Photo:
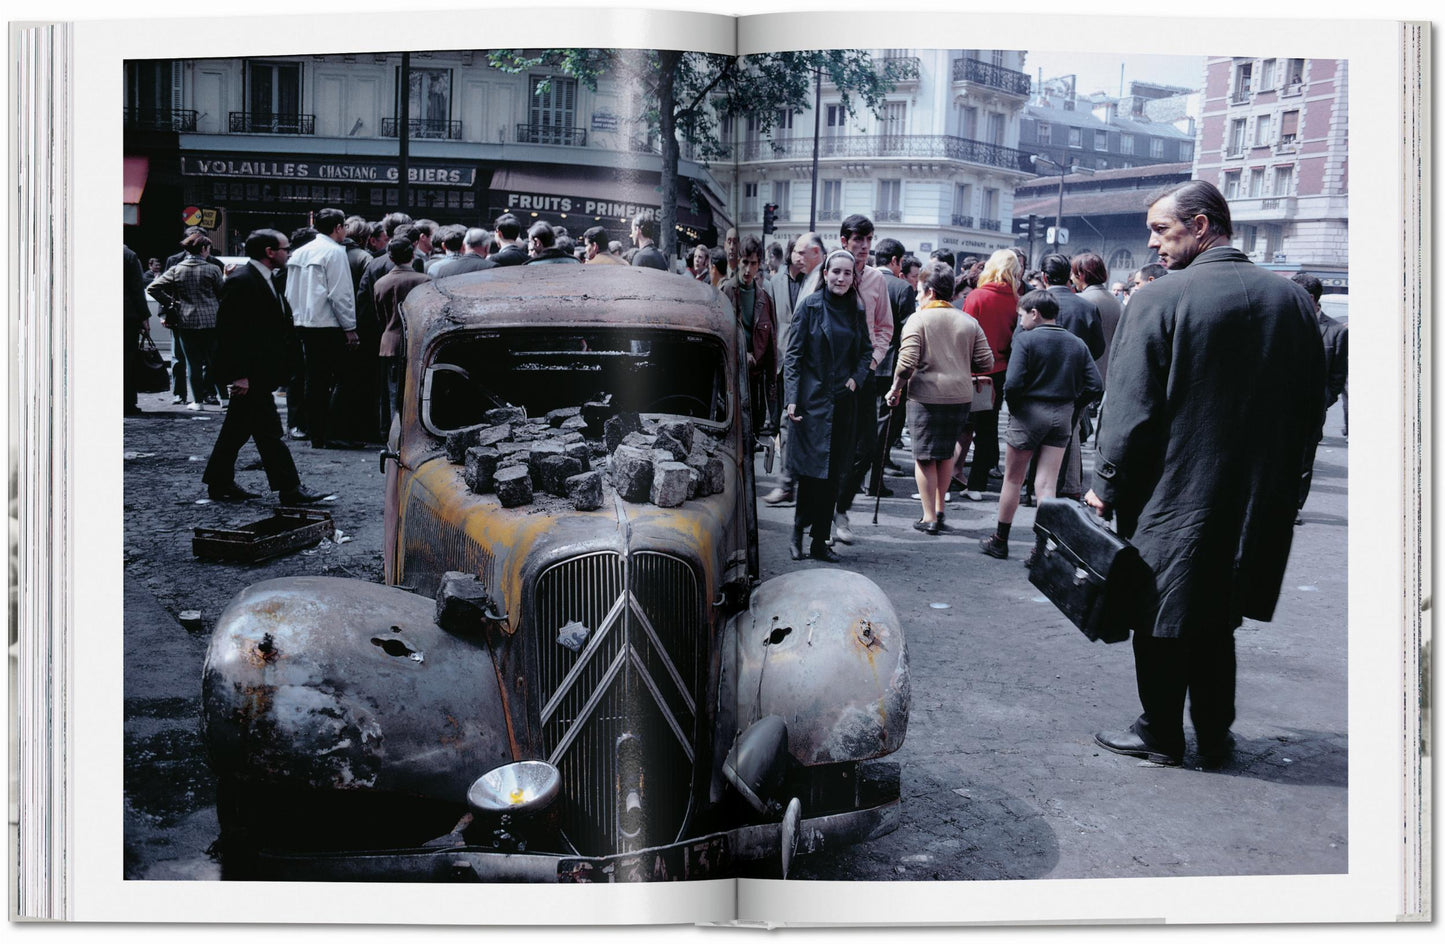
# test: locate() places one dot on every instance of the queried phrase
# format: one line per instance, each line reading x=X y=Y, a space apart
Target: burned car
x=572 y=672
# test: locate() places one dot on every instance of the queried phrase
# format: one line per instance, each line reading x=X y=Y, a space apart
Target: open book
x=554 y=638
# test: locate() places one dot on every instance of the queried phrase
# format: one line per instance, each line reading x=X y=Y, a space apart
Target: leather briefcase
x=1091 y=574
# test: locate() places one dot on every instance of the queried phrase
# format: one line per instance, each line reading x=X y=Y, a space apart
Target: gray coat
x=1081 y=317
x=1214 y=391
x=811 y=381
x=1110 y=311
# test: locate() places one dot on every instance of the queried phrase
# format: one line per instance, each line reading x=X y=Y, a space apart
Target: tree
x=688 y=94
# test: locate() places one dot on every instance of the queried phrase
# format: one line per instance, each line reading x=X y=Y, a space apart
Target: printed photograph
x=603 y=465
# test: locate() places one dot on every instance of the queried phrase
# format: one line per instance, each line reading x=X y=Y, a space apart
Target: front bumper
x=710 y=856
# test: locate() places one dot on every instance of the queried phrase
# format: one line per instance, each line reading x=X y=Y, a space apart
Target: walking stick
x=887 y=445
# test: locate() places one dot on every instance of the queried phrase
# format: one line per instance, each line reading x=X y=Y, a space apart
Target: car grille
x=619 y=715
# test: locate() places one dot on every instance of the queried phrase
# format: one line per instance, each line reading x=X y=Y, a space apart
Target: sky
x=1099 y=72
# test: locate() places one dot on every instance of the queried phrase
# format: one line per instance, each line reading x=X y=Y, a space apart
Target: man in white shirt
x=323 y=304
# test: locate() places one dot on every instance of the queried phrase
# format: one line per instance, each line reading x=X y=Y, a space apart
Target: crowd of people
x=848 y=344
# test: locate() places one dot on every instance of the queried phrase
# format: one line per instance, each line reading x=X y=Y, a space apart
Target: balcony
x=160 y=119
x=826 y=215
x=551 y=134
x=438 y=129
x=1263 y=209
x=992 y=76
x=749 y=215
x=890 y=145
x=651 y=144
x=891 y=215
x=994 y=225
x=250 y=122
x=1292 y=90
x=1288 y=144
x=960 y=220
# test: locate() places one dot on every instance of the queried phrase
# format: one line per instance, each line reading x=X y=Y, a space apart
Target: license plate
x=708 y=857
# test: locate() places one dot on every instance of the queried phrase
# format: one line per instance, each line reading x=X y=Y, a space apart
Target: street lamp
x=1076 y=168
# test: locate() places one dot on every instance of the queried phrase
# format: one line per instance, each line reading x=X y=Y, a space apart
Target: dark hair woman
x=827 y=359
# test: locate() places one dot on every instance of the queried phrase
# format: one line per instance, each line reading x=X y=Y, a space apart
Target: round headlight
x=523 y=787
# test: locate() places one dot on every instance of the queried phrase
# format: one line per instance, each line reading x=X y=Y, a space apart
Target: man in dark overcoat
x=253 y=327
x=1214 y=391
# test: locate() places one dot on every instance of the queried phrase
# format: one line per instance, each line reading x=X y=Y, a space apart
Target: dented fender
x=824 y=650
x=327 y=683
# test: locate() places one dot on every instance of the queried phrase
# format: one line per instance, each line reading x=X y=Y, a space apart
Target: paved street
x=1001 y=779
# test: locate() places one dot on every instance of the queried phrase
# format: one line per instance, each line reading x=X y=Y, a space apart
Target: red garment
x=996 y=308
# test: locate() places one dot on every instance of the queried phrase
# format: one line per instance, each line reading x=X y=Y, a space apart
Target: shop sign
x=618 y=209
x=325 y=170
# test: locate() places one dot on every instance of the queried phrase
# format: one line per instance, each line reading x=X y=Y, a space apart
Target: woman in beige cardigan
x=940 y=351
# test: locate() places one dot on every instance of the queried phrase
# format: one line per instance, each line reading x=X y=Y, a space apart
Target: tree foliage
x=687 y=96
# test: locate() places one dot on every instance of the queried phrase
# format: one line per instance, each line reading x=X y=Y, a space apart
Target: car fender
x=824 y=650
x=326 y=683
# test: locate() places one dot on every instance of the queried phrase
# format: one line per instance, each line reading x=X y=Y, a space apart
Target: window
x=1236 y=136
x=1126 y=143
x=1042 y=132
x=1289 y=127
x=1231 y=185
x=995 y=127
x=1266 y=75
x=832 y=200
x=1273 y=242
x=1262 y=126
x=1101 y=140
x=1076 y=137
x=889 y=200
x=995 y=56
x=1256 y=182
x=750 y=131
x=1248 y=238
x=1186 y=150
x=970 y=122
x=1294 y=73
x=1243 y=81
x=750 y=202
x=895 y=119
x=834 y=121
x=783 y=197
x=429 y=102
x=1121 y=259
x=783 y=125
x=726 y=129
x=554 y=109
x=990 y=218
x=1156 y=147
x=273 y=95
x=962 y=204
x=1283 y=180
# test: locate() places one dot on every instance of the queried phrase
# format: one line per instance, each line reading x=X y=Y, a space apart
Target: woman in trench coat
x=827 y=358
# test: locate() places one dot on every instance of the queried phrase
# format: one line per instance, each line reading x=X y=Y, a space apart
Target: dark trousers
x=985 y=441
x=252 y=416
x=816 y=497
x=391 y=369
x=324 y=349
x=1201 y=665
x=198 y=346
x=296 y=386
x=862 y=445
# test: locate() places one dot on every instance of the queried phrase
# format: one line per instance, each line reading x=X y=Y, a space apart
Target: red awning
x=135 y=170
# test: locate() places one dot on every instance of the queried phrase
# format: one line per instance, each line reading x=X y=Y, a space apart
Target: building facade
x=1274 y=138
x=1102 y=133
x=936 y=170
x=238 y=144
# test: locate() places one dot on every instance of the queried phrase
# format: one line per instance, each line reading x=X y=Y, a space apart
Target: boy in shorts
x=1051 y=376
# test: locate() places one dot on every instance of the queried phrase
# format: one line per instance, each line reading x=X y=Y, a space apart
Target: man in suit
x=753 y=308
x=787 y=289
x=253 y=327
x=511 y=247
x=474 y=254
x=903 y=299
x=390 y=291
x=644 y=233
x=1215 y=386
x=1080 y=317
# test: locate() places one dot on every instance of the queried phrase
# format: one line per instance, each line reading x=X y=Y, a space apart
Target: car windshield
x=671 y=372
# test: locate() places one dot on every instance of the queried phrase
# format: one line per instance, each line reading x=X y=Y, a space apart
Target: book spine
x=41 y=56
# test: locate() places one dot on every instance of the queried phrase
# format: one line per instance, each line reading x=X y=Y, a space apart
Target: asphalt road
x=1001 y=779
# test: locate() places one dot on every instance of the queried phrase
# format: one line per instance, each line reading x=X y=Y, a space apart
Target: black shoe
x=1028 y=501
x=1216 y=752
x=994 y=546
x=995 y=473
x=1132 y=745
x=795 y=543
x=882 y=491
x=822 y=552
x=229 y=493
x=891 y=466
x=300 y=496
x=925 y=526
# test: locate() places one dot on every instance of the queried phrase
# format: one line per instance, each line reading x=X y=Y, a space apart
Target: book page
x=150 y=859
x=1010 y=811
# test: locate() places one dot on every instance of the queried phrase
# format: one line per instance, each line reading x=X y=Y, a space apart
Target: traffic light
x=1034 y=231
x=770 y=218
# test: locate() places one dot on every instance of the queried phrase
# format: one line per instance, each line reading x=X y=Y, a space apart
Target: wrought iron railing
x=995 y=225
x=905 y=68
x=830 y=214
x=433 y=128
x=250 y=122
x=889 y=215
x=891 y=145
x=160 y=119
x=961 y=220
x=551 y=134
x=986 y=73
x=749 y=215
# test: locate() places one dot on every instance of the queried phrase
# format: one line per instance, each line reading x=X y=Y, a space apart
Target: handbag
x=151 y=372
x=1092 y=575
x=982 y=394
